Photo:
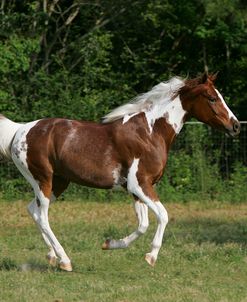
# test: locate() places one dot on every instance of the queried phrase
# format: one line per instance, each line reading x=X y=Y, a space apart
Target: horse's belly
x=93 y=174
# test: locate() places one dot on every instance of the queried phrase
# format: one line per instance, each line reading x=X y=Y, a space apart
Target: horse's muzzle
x=234 y=130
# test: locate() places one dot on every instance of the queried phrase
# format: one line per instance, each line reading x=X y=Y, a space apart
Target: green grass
x=203 y=257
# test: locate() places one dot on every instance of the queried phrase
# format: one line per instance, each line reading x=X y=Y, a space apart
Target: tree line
x=80 y=59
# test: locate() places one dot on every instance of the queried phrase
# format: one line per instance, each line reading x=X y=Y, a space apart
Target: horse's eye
x=212 y=99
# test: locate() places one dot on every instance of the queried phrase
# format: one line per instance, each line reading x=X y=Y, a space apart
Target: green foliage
x=14 y=188
x=15 y=54
x=236 y=185
x=81 y=59
x=193 y=170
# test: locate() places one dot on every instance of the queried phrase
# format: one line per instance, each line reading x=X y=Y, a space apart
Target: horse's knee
x=163 y=214
x=32 y=210
x=164 y=217
x=143 y=228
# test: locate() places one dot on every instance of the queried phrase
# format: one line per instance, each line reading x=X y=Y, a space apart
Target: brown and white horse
x=129 y=149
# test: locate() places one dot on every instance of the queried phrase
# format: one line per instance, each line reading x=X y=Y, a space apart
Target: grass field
x=204 y=256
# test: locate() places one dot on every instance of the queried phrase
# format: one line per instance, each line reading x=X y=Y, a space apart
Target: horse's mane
x=162 y=93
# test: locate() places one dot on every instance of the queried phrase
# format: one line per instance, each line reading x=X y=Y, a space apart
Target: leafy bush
x=236 y=188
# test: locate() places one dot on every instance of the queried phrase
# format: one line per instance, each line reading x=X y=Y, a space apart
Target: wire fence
x=220 y=148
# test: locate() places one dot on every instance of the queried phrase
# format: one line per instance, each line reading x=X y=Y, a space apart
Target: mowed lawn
x=203 y=258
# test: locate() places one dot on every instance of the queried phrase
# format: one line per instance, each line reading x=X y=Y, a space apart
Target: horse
x=128 y=148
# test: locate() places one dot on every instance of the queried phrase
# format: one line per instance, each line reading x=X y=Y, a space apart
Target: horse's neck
x=172 y=111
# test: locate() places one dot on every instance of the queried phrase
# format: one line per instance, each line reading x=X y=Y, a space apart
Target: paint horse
x=129 y=148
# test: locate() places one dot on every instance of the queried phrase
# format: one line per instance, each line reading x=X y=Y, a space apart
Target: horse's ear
x=204 y=77
x=213 y=77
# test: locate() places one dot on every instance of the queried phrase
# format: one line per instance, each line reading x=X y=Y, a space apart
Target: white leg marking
x=162 y=219
x=158 y=209
x=142 y=214
x=35 y=213
x=143 y=223
x=45 y=227
x=32 y=207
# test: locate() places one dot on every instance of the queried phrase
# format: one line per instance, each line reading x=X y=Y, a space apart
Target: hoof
x=150 y=259
x=66 y=266
x=52 y=260
x=106 y=245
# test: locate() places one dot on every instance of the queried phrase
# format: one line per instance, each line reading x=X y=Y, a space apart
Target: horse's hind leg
x=35 y=213
x=58 y=186
x=42 y=186
x=142 y=215
x=42 y=194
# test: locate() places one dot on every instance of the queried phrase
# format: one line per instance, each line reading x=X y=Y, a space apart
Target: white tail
x=7 y=132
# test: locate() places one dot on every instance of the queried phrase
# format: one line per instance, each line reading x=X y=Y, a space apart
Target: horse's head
x=204 y=102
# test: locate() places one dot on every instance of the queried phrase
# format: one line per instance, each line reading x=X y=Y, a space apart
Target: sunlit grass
x=203 y=256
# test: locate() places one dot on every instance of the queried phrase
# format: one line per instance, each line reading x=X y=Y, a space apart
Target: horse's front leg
x=138 y=186
x=142 y=215
x=162 y=218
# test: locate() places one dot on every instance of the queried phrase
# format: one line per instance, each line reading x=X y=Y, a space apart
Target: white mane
x=160 y=94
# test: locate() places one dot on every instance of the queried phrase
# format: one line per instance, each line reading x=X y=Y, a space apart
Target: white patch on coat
x=230 y=113
x=172 y=111
x=134 y=187
x=127 y=117
x=116 y=174
x=176 y=114
x=132 y=178
x=118 y=179
x=160 y=94
x=19 y=154
x=7 y=132
x=19 y=145
x=68 y=140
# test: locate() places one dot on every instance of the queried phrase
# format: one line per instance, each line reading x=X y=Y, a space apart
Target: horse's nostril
x=236 y=127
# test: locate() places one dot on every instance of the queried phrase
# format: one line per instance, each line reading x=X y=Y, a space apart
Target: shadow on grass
x=8 y=264
x=209 y=230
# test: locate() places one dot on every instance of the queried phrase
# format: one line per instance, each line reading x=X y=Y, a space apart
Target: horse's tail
x=7 y=132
